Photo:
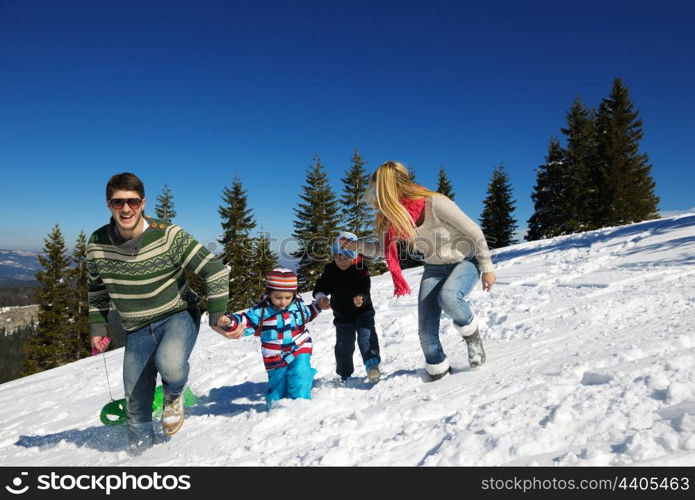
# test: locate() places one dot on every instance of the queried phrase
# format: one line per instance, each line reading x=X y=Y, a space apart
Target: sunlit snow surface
x=590 y=342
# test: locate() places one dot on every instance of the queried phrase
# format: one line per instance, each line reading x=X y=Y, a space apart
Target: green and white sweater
x=144 y=277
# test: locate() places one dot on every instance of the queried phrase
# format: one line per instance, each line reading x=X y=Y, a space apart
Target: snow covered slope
x=590 y=344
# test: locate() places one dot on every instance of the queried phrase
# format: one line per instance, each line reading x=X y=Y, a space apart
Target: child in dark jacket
x=347 y=281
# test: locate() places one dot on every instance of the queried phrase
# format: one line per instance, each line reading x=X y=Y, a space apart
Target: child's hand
x=231 y=334
x=223 y=323
x=236 y=333
x=324 y=303
x=358 y=300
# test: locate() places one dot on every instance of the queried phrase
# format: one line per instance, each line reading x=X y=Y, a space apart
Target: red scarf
x=414 y=208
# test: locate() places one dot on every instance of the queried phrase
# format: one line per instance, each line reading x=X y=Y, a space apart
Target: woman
x=455 y=252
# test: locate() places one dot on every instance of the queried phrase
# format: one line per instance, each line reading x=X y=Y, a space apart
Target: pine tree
x=49 y=348
x=578 y=197
x=444 y=186
x=79 y=305
x=315 y=226
x=237 y=253
x=12 y=351
x=357 y=216
x=624 y=180
x=264 y=261
x=496 y=220
x=165 y=205
x=547 y=219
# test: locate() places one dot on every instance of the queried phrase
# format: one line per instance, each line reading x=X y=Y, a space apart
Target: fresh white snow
x=590 y=342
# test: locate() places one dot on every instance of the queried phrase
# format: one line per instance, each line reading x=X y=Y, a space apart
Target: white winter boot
x=470 y=333
x=438 y=370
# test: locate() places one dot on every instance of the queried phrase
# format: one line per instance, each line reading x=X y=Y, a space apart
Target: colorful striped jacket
x=283 y=332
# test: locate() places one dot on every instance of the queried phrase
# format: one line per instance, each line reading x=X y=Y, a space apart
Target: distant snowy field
x=590 y=343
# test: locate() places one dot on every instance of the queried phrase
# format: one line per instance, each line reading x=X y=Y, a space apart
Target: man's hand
x=324 y=303
x=224 y=321
x=100 y=344
x=358 y=300
x=488 y=280
x=232 y=334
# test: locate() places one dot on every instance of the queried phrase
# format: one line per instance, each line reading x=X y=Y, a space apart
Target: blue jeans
x=367 y=341
x=161 y=347
x=444 y=287
x=292 y=381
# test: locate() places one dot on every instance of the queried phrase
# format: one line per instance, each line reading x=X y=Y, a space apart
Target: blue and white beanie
x=336 y=250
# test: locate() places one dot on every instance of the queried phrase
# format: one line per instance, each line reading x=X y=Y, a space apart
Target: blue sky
x=190 y=94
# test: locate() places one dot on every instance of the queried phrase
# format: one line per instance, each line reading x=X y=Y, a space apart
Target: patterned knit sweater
x=143 y=278
x=283 y=332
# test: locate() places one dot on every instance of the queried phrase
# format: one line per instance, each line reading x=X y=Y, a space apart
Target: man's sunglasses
x=118 y=203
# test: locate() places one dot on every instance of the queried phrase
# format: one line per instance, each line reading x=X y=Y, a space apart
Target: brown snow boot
x=172 y=418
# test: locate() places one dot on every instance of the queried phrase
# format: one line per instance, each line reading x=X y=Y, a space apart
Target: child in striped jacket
x=280 y=319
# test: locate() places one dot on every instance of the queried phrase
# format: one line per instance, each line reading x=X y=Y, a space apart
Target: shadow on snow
x=219 y=401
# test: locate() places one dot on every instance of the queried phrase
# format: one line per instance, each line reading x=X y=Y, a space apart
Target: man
x=136 y=265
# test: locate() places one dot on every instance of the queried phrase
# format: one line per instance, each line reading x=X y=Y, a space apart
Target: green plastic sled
x=114 y=412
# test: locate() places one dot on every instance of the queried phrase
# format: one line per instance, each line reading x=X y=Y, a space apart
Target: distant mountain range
x=17 y=267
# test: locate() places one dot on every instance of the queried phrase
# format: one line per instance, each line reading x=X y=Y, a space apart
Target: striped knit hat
x=281 y=279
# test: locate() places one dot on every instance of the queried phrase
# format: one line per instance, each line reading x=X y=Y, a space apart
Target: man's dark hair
x=125 y=182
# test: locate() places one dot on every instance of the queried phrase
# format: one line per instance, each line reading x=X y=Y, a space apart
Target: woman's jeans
x=444 y=287
x=161 y=347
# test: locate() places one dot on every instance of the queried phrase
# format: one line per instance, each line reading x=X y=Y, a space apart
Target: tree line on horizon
x=600 y=178
x=62 y=331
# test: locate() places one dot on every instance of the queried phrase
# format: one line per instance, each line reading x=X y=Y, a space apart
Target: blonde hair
x=389 y=184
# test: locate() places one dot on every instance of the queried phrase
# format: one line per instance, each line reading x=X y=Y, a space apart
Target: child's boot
x=373 y=373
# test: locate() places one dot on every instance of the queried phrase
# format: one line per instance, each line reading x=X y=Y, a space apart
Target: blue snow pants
x=292 y=381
